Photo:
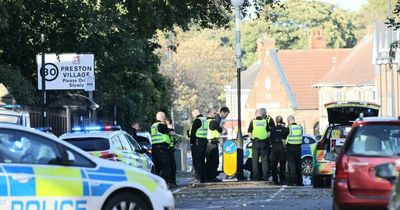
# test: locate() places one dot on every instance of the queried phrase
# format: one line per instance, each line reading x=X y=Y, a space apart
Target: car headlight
x=160 y=181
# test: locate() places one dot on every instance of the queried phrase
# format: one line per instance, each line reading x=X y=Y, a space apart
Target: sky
x=351 y=5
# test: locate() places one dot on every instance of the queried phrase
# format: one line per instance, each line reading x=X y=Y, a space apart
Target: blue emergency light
x=96 y=128
x=11 y=106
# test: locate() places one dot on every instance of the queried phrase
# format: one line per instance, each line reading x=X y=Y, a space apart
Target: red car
x=371 y=141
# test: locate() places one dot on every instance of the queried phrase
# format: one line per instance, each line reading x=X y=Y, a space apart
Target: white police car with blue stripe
x=41 y=172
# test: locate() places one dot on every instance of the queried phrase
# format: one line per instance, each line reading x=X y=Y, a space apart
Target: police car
x=38 y=171
x=12 y=114
x=110 y=142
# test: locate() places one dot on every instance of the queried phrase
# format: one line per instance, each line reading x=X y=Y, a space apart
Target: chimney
x=263 y=45
x=317 y=39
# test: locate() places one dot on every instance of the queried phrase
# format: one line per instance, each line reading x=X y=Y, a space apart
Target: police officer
x=212 y=153
x=198 y=137
x=258 y=131
x=293 y=145
x=271 y=124
x=171 y=149
x=278 y=136
x=160 y=142
x=223 y=113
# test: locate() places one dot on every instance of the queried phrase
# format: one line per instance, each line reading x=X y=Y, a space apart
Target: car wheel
x=125 y=201
x=306 y=166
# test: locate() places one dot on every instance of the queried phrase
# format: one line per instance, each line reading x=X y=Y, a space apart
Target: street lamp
x=236 y=5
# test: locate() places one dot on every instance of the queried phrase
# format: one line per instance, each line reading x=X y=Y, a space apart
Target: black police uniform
x=161 y=155
x=212 y=153
x=171 y=150
x=199 y=146
x=271 y=124
x=278 y=153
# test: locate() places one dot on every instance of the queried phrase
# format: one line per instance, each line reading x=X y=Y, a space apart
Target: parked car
x=370 y=142
x=40 y=170
x=308 y=143
x=144 y=140
x=390 y=172
x=341 y=115
x=110 y=142
x=13 y=114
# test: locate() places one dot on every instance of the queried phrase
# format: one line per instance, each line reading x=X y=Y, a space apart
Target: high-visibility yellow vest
x=259 y=129
x=295 y=134
x=157 y=137
x=212 y=134
x=202 y=131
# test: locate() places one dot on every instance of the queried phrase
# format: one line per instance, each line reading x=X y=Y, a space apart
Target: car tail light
x=342 y=168
x=110 y=156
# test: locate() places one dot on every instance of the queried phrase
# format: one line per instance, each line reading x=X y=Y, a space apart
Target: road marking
x=276 y=193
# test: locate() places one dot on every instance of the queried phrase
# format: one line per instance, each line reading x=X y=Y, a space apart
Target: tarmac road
x=251 y=195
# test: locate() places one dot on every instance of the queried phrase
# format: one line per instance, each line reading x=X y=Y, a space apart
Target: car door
x=146 y=161
x=34 y=166
x=132 y=157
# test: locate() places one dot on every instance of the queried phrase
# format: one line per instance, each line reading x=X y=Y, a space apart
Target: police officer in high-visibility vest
x=293 y=145
x=198 y=137
x=259 y=131
x=271 y=124
x=212 y=153
x=160 y=142
x=171 y=149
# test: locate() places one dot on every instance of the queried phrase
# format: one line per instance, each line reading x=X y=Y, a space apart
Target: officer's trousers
x=199 y=159
x=161 y=160
x=260 y=150
x=212 y=161
x=172 y=165
x=278 y=155
x=294 y=164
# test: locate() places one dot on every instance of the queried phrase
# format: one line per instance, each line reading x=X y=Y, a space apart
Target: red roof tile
x=304 y=68
x=359 y=63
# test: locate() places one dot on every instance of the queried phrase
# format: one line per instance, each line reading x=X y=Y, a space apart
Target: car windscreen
x=90 y=144
x=10 y=119
x=375 y=140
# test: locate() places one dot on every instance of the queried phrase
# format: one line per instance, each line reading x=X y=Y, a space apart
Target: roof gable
x=358 y=62
x=303 y=68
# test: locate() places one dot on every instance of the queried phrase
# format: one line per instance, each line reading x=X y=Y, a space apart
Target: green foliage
x=121 y=34
x=17 y=85
x=291 y=26
x=375 y=11
x=394 y=21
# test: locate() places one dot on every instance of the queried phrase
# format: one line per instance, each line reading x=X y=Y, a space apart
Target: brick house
x=386 y=75
x=282 y=82
x=351 y=80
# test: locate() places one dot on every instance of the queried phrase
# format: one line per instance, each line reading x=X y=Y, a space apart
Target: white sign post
x=67 y=71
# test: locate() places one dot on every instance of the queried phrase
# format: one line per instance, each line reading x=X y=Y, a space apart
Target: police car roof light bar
x=96 y=128
x=11 y=106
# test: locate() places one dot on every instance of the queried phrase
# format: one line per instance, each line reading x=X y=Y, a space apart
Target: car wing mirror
x=331 y=156
x=386 y=171
x=142 y=149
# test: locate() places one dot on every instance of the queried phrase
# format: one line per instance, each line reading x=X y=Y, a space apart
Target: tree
x=120 y=33
x=375 y=11
x=290 y=26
